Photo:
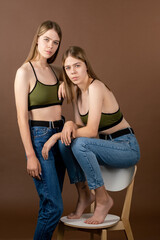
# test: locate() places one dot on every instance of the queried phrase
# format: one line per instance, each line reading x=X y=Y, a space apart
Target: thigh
x=119 y=152
x=49 y=187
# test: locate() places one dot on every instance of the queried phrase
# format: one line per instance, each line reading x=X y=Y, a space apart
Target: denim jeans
x=50 y=186
x=74 y=170
x=120 y=152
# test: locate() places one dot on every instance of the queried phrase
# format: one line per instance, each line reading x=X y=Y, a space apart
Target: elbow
x=21 y=119
x=93 y=133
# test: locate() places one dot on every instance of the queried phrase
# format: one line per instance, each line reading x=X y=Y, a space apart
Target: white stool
x=114 y=180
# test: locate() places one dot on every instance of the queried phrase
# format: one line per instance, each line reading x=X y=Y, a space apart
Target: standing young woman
x=102 y=135
x=39 y=117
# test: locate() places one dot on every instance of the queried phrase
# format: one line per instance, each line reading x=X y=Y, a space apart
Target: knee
x=79 y=144
x=54 y=211
x=62 y=146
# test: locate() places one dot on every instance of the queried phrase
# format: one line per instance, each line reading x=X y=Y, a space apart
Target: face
x=48 y=43
x=76 y=70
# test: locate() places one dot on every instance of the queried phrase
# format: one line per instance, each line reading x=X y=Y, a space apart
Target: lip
x=49 y=52
x=74 y=78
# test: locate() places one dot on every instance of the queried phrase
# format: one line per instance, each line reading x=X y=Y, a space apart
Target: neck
x=84 y=86
x=41 y=62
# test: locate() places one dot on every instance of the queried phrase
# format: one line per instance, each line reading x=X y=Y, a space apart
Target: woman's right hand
x=34 y=167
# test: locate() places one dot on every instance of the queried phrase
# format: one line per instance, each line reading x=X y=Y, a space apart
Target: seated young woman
x=99 y=136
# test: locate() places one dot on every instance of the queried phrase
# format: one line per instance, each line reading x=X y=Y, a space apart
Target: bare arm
x=50 y=143
x=61 y=91
x=95 y=109
x=77 y=129
x=21 y=89
x=69 y=128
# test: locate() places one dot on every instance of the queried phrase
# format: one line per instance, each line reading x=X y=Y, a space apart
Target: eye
x=46 y=39
x=56 y=43
x=78 y=65
x=67 y=68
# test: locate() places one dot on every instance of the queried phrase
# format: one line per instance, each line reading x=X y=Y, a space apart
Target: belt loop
x=110 y=137
x=50 y=124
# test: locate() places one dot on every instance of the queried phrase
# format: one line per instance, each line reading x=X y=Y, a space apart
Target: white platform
x=109 y=221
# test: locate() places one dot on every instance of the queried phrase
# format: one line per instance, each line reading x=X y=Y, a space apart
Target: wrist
x=30 y=154
x=57 y=136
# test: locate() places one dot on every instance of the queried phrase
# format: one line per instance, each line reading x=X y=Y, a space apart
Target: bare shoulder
x=24 y=71
x=97 y=85
x=23 y=75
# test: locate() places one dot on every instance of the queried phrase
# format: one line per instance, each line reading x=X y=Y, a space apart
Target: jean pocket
x=38 y=132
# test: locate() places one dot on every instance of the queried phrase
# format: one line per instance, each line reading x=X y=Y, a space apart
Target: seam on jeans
x=93 y=174
x=102 y=145
x=130 y=150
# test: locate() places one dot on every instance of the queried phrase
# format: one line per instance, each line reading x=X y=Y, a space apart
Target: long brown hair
x=80 y=54
x=44 y=27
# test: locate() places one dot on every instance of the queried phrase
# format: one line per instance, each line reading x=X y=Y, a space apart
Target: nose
x=50 y=44
x=73 y=70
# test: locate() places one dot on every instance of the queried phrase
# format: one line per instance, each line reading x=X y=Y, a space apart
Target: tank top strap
x=54 y=72
x=92 y=80
x=33 y=70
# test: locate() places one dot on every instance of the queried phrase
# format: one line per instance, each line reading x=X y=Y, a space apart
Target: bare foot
x=82 y=204
x=100 y=212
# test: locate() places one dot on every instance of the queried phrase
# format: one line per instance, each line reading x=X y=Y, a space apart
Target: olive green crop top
x=108 y=120
x=43 y=95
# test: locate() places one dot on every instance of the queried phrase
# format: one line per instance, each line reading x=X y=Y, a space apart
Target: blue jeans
x=120 y=152
x=50 y=186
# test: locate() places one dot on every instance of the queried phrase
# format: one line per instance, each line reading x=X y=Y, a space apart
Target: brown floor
x=19 y=227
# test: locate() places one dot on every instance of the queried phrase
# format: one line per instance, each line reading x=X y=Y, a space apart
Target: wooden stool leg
x=128 y=230
x=104 y=234
x=91 y=236
x=60 y=232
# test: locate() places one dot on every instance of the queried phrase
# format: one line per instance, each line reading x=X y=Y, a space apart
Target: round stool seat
x=109 y=221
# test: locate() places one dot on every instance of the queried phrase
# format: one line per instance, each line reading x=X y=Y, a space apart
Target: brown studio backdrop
x=121 y=39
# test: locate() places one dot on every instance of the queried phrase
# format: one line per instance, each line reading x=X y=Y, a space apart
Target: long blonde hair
x=44 y=27
x=80 y=54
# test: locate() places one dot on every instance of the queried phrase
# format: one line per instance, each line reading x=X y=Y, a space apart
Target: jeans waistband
x=116 y=134
x=49 y=124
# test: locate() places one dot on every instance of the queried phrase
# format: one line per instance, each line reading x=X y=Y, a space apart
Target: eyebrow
x=52 y=39
x=72 y=64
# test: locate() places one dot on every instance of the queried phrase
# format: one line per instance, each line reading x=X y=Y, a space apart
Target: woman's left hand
x=47 y=146
x=61 y=91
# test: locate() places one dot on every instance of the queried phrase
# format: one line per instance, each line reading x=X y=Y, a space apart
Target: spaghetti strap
x=33 y=70
x=92 y=80
x=54 y=72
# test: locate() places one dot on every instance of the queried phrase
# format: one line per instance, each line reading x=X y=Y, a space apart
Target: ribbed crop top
x=108 y=120
x=43 y=95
